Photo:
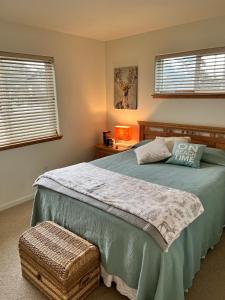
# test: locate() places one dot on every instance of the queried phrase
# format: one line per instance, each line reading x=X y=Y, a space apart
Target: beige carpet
x=209 y=283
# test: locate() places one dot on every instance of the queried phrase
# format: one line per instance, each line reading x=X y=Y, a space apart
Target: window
x=198 y=73
x=28 y=108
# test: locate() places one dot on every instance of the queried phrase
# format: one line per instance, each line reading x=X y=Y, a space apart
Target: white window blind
x=192 y=73
x=28 y=107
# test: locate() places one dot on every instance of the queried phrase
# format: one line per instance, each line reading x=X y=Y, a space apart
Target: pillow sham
x=170 y=141
x=186 y=154
x=214 y=156
x=152 y=152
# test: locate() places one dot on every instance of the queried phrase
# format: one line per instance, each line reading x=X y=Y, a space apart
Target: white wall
x=80 y=79
x=141 y=50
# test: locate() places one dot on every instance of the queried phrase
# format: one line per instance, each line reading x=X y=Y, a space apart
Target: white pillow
x=152 y=152
x=170 y=141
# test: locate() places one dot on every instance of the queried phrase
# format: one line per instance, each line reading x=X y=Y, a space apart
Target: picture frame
x=125 y=87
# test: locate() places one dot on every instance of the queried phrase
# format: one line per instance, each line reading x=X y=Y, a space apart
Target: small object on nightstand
x=106 y=135
x=102 y=150
x=109 y=142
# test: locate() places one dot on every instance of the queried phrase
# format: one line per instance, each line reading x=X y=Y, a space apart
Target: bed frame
x=210 y=136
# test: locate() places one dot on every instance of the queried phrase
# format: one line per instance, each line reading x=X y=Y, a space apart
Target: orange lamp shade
x=122 y=133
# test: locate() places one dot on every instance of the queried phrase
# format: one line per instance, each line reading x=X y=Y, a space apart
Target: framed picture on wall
x=125 y=87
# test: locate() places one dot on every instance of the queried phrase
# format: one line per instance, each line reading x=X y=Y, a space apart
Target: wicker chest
x=58 y=262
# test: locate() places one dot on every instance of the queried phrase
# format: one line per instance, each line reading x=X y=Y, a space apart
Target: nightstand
x=102 y=150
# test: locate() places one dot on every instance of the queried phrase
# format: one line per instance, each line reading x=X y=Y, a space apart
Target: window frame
x=58 y=135
x=208 y=51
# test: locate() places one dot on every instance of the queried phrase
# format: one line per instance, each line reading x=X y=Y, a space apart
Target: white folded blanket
x=166 y=209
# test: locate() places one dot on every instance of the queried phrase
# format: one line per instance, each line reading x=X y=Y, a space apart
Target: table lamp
x=122 y=134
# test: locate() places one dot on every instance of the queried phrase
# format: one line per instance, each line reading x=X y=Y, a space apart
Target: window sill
x=31 y=142
x=194 y=95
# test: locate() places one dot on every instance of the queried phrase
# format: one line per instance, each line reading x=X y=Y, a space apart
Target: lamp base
x=124 y=144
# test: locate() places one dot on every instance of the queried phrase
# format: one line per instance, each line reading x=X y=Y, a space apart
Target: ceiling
x=108 y=19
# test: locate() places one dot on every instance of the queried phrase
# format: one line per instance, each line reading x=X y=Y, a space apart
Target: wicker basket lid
x=57 y=249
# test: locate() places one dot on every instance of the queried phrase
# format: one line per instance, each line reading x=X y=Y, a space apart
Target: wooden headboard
x=210 y=136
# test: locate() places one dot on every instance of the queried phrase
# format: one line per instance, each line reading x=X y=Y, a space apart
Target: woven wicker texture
x=58 y=250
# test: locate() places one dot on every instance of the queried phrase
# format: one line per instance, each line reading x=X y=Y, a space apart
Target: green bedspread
x=129 y=252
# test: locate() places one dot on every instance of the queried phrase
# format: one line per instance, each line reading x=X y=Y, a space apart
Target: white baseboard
x=16 y=202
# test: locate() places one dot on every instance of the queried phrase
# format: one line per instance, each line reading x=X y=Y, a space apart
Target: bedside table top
x=111 y=149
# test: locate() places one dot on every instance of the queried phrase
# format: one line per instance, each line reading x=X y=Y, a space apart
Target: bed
x=129 y=256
